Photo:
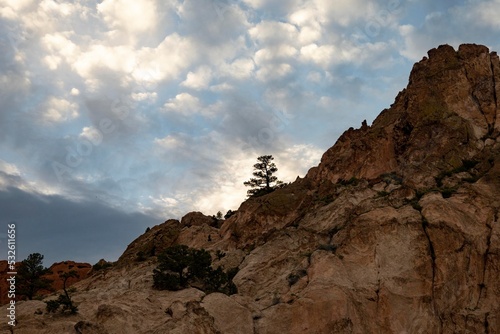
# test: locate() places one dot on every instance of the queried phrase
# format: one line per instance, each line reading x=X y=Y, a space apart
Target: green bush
x=180 y=266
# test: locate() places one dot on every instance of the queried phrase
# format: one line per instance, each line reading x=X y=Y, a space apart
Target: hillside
x=396 y=231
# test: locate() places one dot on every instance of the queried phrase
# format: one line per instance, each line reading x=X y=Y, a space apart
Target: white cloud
x=274 y=54
x=484 y=13
x=183 y=103
x=170 y=142
x=131 y=16
x=271 y=32
x=58 y=110
x=144 y=96
x=273 y=72
x=9 y=168
x=163 y=201
x=59 y=47
x=92 y=134
x=344 y=12
x=199 y=79
x=240 y=69
x=296 y=161
x=172 y=56
x=97 y=57
x=323 y=55
x=17 y=5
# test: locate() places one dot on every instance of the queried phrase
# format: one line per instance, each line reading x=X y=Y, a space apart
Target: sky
x=116 y=115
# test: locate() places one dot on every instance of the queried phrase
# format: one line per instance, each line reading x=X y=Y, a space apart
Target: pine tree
x=264 y=181
x=30 y=276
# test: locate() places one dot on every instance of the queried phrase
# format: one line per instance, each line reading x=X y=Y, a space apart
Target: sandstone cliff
x=396 y=231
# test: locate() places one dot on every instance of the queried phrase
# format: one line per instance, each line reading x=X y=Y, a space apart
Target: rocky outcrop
x=444 y=116
x=396 y=231
x=152 y=242
x=56 y=269
x=198 y=219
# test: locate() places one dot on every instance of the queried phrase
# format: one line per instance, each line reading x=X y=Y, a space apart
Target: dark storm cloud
x=62 y=229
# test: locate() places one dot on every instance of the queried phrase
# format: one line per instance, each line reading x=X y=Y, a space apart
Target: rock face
x=82 y=270
x=396 y=231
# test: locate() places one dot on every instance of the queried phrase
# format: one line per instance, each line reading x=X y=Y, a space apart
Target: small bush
x=101 y=265
x=52 y=306
x=229 y=214
x=64 y=302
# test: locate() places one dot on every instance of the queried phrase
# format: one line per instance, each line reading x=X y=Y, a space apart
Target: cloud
x=485 y=13
x=239 y=69
x=454 y=24
x=59 y=110
x=62 y=230
x=123 y=15
x=183 y=103
x=321 y=55
x=8 y=168
x=171 y=142
x=199 y=79
x=269 y=32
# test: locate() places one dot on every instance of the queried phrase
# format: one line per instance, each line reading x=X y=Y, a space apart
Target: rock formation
x=57 y=283
x=396 y=231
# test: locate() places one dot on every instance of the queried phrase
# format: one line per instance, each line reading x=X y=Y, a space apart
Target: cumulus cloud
x=123 y=15
x=183 y=103
x=199 y=79
x=59 y=110
x=239 y=69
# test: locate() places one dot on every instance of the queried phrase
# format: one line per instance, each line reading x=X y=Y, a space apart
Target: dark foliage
x=229 y=214
x=180 y=266
x=64 y=300
x=264 y=181
x=29 y=276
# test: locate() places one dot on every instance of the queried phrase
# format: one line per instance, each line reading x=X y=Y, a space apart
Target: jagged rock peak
x=445 y=115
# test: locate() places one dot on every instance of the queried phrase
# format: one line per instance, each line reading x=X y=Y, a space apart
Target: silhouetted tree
x=180 y=266
x=64 y=300
x=173 y=266
x=264 y=181
x=29 y=276
x=229 y=214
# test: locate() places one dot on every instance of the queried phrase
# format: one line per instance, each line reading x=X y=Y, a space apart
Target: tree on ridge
x=264 y=181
